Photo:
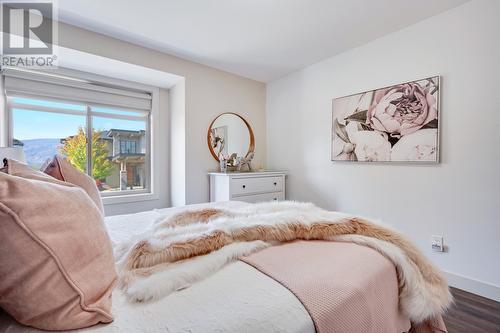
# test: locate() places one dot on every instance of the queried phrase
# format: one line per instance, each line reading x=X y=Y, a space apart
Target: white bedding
x=236 y=299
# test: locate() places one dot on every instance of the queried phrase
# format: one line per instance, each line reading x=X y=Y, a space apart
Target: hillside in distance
x=37 y=151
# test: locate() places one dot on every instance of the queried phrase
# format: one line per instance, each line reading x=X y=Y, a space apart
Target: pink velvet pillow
x=62 y=169
x=57 y=270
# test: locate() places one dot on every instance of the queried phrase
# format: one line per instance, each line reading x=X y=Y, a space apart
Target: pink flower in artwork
x=402 y=109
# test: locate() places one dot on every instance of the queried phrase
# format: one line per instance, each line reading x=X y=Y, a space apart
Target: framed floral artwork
x=399 y=123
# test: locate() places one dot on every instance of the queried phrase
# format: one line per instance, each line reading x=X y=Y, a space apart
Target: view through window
x=118 y=147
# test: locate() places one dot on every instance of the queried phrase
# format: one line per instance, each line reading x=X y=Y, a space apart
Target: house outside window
x=129 y=151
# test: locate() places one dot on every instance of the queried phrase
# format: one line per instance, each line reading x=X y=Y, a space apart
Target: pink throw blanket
x=345 y=287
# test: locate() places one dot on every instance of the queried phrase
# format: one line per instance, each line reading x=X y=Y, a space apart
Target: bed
x=240 y=298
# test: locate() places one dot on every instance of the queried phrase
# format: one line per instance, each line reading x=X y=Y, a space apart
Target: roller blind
x=40 y=84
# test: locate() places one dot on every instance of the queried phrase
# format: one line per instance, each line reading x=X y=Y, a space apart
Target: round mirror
x=229 y=134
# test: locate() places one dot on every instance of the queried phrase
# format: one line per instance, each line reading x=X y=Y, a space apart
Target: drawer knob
x=244 y=186
x=275 y=184
x=275 y=199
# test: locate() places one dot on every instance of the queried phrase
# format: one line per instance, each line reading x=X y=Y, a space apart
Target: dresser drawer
x=255 y=185
x=276 y=196
x=247 y=186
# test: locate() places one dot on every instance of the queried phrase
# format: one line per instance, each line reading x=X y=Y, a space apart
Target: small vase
x=223 y=165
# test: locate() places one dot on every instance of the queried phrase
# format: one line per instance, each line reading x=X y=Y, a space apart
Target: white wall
x=177 y=141
x=208 y=92
x=459 y=198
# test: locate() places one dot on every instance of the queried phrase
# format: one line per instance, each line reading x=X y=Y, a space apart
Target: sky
x=28 y=124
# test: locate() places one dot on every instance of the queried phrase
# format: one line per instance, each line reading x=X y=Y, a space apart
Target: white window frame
x=152 y=131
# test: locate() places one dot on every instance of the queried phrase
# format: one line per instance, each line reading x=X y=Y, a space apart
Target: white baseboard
x=473 y=286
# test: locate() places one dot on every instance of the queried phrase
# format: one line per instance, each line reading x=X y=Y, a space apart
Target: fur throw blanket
x=193 y=244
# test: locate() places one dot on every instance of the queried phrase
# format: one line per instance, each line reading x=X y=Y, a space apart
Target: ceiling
x=258 y=39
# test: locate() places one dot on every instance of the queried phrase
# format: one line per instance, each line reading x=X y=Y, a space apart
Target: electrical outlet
x=437 y=243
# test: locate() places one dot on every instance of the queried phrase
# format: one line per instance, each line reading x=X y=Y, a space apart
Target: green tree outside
x=75 y=149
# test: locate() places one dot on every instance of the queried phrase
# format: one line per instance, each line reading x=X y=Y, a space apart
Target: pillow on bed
x=57 y=269
x=62 y=169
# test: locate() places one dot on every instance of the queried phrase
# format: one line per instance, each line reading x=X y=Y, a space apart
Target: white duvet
x=236 y=299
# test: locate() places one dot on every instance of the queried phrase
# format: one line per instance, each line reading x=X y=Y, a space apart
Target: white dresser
x=247 y=186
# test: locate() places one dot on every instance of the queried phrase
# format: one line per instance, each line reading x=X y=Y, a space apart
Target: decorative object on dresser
x=245 y=162
x=231 y=141
x=247 y=186
x=393 y=124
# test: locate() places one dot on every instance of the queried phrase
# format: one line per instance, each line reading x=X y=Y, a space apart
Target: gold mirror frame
x=251 y=147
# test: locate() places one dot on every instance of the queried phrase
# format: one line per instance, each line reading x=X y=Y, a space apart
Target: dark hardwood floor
x=472 y=314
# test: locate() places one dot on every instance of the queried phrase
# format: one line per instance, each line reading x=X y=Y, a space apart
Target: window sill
x=118 y=199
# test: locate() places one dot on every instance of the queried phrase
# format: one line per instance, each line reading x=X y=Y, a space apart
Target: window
x=128 y=147
x=110 y=142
